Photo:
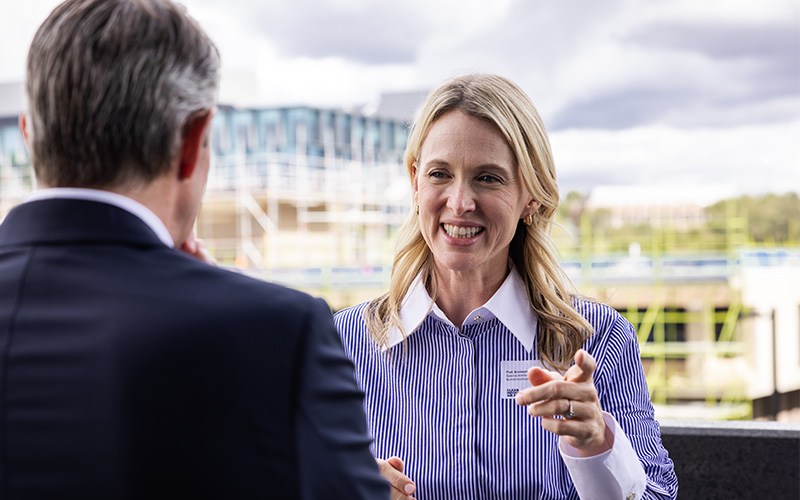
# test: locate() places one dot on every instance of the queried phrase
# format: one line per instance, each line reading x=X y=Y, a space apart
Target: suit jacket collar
x=116 y=199
x=59 y=221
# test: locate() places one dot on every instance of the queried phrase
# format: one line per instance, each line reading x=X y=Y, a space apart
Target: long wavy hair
x=550 y=292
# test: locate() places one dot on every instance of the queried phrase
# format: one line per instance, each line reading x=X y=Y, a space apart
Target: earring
x=528 y=220
x=417 y=209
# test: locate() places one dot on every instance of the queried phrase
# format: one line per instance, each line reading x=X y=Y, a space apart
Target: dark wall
x=734 y=460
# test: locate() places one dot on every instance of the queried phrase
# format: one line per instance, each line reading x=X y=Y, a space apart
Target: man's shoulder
x=221 y=290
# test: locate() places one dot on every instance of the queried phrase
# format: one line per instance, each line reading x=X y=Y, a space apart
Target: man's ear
x=194 y=136
x=23 y=127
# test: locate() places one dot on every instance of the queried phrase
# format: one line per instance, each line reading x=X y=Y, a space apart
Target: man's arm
x=333 y=445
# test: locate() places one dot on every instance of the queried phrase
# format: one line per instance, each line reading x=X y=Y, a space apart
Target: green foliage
x=771 y=218
x=765 y=220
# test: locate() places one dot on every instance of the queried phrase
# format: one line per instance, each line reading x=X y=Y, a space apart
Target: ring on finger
x=569 y=413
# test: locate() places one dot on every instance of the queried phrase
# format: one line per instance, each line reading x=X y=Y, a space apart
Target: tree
x=772 y=218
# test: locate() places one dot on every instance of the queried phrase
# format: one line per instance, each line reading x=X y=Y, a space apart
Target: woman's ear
x=533 y=206
x=414 y=186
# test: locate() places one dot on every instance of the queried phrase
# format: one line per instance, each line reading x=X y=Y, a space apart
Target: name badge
x=514 y=376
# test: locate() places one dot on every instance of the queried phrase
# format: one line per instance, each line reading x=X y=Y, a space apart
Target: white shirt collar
x=123 y=202
x=509 y=305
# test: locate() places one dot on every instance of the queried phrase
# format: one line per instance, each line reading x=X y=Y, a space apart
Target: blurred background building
x=312 y=198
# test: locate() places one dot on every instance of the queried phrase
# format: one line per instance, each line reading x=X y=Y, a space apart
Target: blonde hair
x=550 y=292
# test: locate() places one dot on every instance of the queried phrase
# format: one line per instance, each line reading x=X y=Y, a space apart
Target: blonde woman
x=485 y=375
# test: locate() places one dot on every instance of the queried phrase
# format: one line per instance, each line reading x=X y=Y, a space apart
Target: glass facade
x=307 y=131
x=12 y=147
x=277 y=147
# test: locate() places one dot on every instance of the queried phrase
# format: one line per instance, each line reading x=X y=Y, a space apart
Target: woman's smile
x=461 y=232
x=470 y=194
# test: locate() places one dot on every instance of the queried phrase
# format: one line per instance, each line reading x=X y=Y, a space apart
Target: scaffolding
x=687 y=292
x=306 y=197
x=312 y=198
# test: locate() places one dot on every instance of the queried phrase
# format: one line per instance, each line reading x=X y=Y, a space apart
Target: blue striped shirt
x=445 y=404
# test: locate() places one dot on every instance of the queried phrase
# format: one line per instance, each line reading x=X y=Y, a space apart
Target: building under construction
x=312 y=198
x=298 y=193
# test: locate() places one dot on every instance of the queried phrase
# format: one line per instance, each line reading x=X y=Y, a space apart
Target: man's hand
x=197 y=249
x=552 y=396
x=392 y=470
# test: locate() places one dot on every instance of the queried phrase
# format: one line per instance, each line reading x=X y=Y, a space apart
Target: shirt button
x=477 y=319
x=631 y=496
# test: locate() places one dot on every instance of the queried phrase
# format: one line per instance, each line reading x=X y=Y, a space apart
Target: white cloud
x=752 y=159
x=18 y=23
x=726 y=11
x=633 y=90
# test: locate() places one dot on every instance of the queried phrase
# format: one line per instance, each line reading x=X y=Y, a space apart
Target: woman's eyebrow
x=493 y=166
x=484 y=166
x=437 y=163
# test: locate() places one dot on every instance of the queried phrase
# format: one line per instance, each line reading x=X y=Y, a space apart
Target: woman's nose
x=460 y=198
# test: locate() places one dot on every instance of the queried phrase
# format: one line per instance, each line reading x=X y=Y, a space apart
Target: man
x=129 y=369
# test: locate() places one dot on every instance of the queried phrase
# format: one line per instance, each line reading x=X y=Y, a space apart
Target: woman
x=479 y=324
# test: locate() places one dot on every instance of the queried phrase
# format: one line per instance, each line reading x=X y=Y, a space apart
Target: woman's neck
x=459 y=293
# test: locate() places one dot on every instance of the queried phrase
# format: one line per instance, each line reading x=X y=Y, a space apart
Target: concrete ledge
x=734 y=459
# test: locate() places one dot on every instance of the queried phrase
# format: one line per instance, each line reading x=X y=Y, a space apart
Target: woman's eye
x=488 y=178
x=437 y=174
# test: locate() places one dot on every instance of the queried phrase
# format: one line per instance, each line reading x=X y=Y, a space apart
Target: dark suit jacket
x=129 y=370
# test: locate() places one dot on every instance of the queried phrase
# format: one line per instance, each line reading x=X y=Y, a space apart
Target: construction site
x=312 y=198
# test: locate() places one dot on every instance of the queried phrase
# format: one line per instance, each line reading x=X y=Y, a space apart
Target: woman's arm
x=614 y=390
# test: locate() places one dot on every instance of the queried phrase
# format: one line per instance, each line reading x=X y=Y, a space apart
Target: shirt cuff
x=614 y=474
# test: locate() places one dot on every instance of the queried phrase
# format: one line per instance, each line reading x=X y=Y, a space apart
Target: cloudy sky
x=653 y=92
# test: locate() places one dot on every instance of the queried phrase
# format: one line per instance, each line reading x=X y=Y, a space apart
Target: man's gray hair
x=111 y=84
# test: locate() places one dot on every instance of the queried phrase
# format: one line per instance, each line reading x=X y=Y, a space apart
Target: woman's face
x=470 y=194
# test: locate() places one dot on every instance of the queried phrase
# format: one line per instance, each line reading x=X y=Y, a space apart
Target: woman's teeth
x=461 y=232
